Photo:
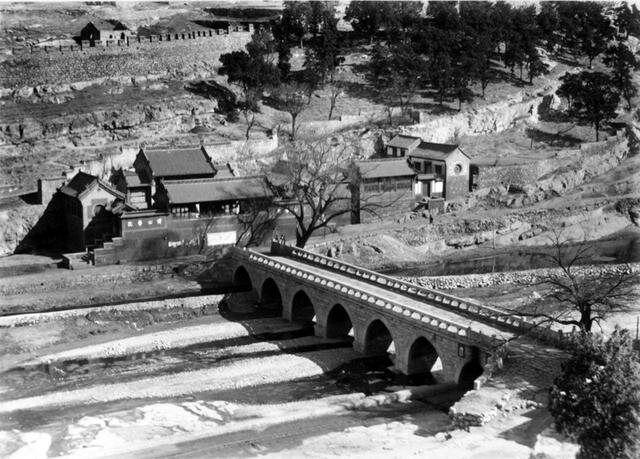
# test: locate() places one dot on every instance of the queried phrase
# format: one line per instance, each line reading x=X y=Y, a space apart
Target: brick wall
x=162 y=236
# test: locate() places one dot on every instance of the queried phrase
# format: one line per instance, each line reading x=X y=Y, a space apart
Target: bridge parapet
x=449 y=327
x=441 y=299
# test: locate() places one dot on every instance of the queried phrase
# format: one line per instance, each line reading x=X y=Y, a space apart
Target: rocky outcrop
x=559 y=181
x=15 y=224
x=492 y=118
x=116 y=122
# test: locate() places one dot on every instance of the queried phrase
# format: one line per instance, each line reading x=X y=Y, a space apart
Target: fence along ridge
x=98 y=46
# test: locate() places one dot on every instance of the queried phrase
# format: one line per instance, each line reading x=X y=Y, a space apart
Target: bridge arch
x=302 y=308
x=242 y=280
x=423 y=357
x=270 y=296
x=471 y=370
x=339 y=323
x=378 y=339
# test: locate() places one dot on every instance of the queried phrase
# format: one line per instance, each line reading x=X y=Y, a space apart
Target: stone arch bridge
x=422 y=329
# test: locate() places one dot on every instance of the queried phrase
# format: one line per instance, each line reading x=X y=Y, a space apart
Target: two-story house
x=443 y=170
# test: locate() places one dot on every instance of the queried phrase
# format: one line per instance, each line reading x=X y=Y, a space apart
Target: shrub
x=595 y=401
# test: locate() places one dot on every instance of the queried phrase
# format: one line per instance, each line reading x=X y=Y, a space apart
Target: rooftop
x=438 y=151
x=224 y=171
x=379 y=168
x=108 y=24
x=133 y=180
x=82 y=182
x=404 y=141
x=213 y=189
x=172 y=162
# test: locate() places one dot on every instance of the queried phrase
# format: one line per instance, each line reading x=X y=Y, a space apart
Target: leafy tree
x=502 y=21
x=367 y=17
x=322 y=57
x=548 y=24
x=253 y=71
x=622 y=62
x=591 y=97
x=460 y=83
x=402 y=18
x=290 y=30
x=294 y=23
x=596 y=399
x=578 y=298
x=627 y=20
x=535 y=65
x=585 y=28
x=396 y=71
x=444 y=15
x=522 y=40
x=481 y=40
x=321 y=14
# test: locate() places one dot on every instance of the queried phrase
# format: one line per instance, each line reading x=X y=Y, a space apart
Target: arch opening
x=471 y=370
x=423 y=361
x=242 y=280
x=378 y=340
x=270 y=296
x=302 y=309
x=339 y=323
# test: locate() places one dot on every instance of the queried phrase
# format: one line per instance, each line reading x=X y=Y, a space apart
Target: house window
x=457 y=169
x=438 y=170
x=388 y=184
x=371 y=186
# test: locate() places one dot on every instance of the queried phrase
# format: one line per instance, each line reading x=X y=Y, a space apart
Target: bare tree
x=256 y=221
x=335 y=91
x=292 y=98
x=572 y=294
x=314 y=180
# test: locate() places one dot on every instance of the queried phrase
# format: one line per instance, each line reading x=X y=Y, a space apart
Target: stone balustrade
x=408 y=312
x=482 y=312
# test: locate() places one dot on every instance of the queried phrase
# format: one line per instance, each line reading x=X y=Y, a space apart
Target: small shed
x=104 y=30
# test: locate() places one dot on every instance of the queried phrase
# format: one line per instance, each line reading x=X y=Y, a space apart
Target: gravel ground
x=167 y=339
x=235 y=375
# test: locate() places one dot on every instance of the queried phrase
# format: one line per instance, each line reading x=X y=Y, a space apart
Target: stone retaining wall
x=511 y=277
x=187 y=302
x=58 y=280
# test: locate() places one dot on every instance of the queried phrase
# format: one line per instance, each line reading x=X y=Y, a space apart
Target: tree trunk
x=331 y=107
x=301 y=239
x=597 y=126
x=293 y=126
x=586 y=322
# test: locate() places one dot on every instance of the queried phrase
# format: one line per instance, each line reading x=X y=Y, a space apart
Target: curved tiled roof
x=211 y=189
x=379 y=168
x=172 y=162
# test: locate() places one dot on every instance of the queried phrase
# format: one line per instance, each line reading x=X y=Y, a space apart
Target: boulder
x=551 y=445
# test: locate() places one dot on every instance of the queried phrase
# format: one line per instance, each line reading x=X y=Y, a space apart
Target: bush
x=595 y=401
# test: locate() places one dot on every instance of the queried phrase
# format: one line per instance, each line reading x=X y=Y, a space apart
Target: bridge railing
x=448 y=326
x=447 y=301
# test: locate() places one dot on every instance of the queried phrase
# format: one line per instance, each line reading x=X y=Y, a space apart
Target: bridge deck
x=386 y=294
